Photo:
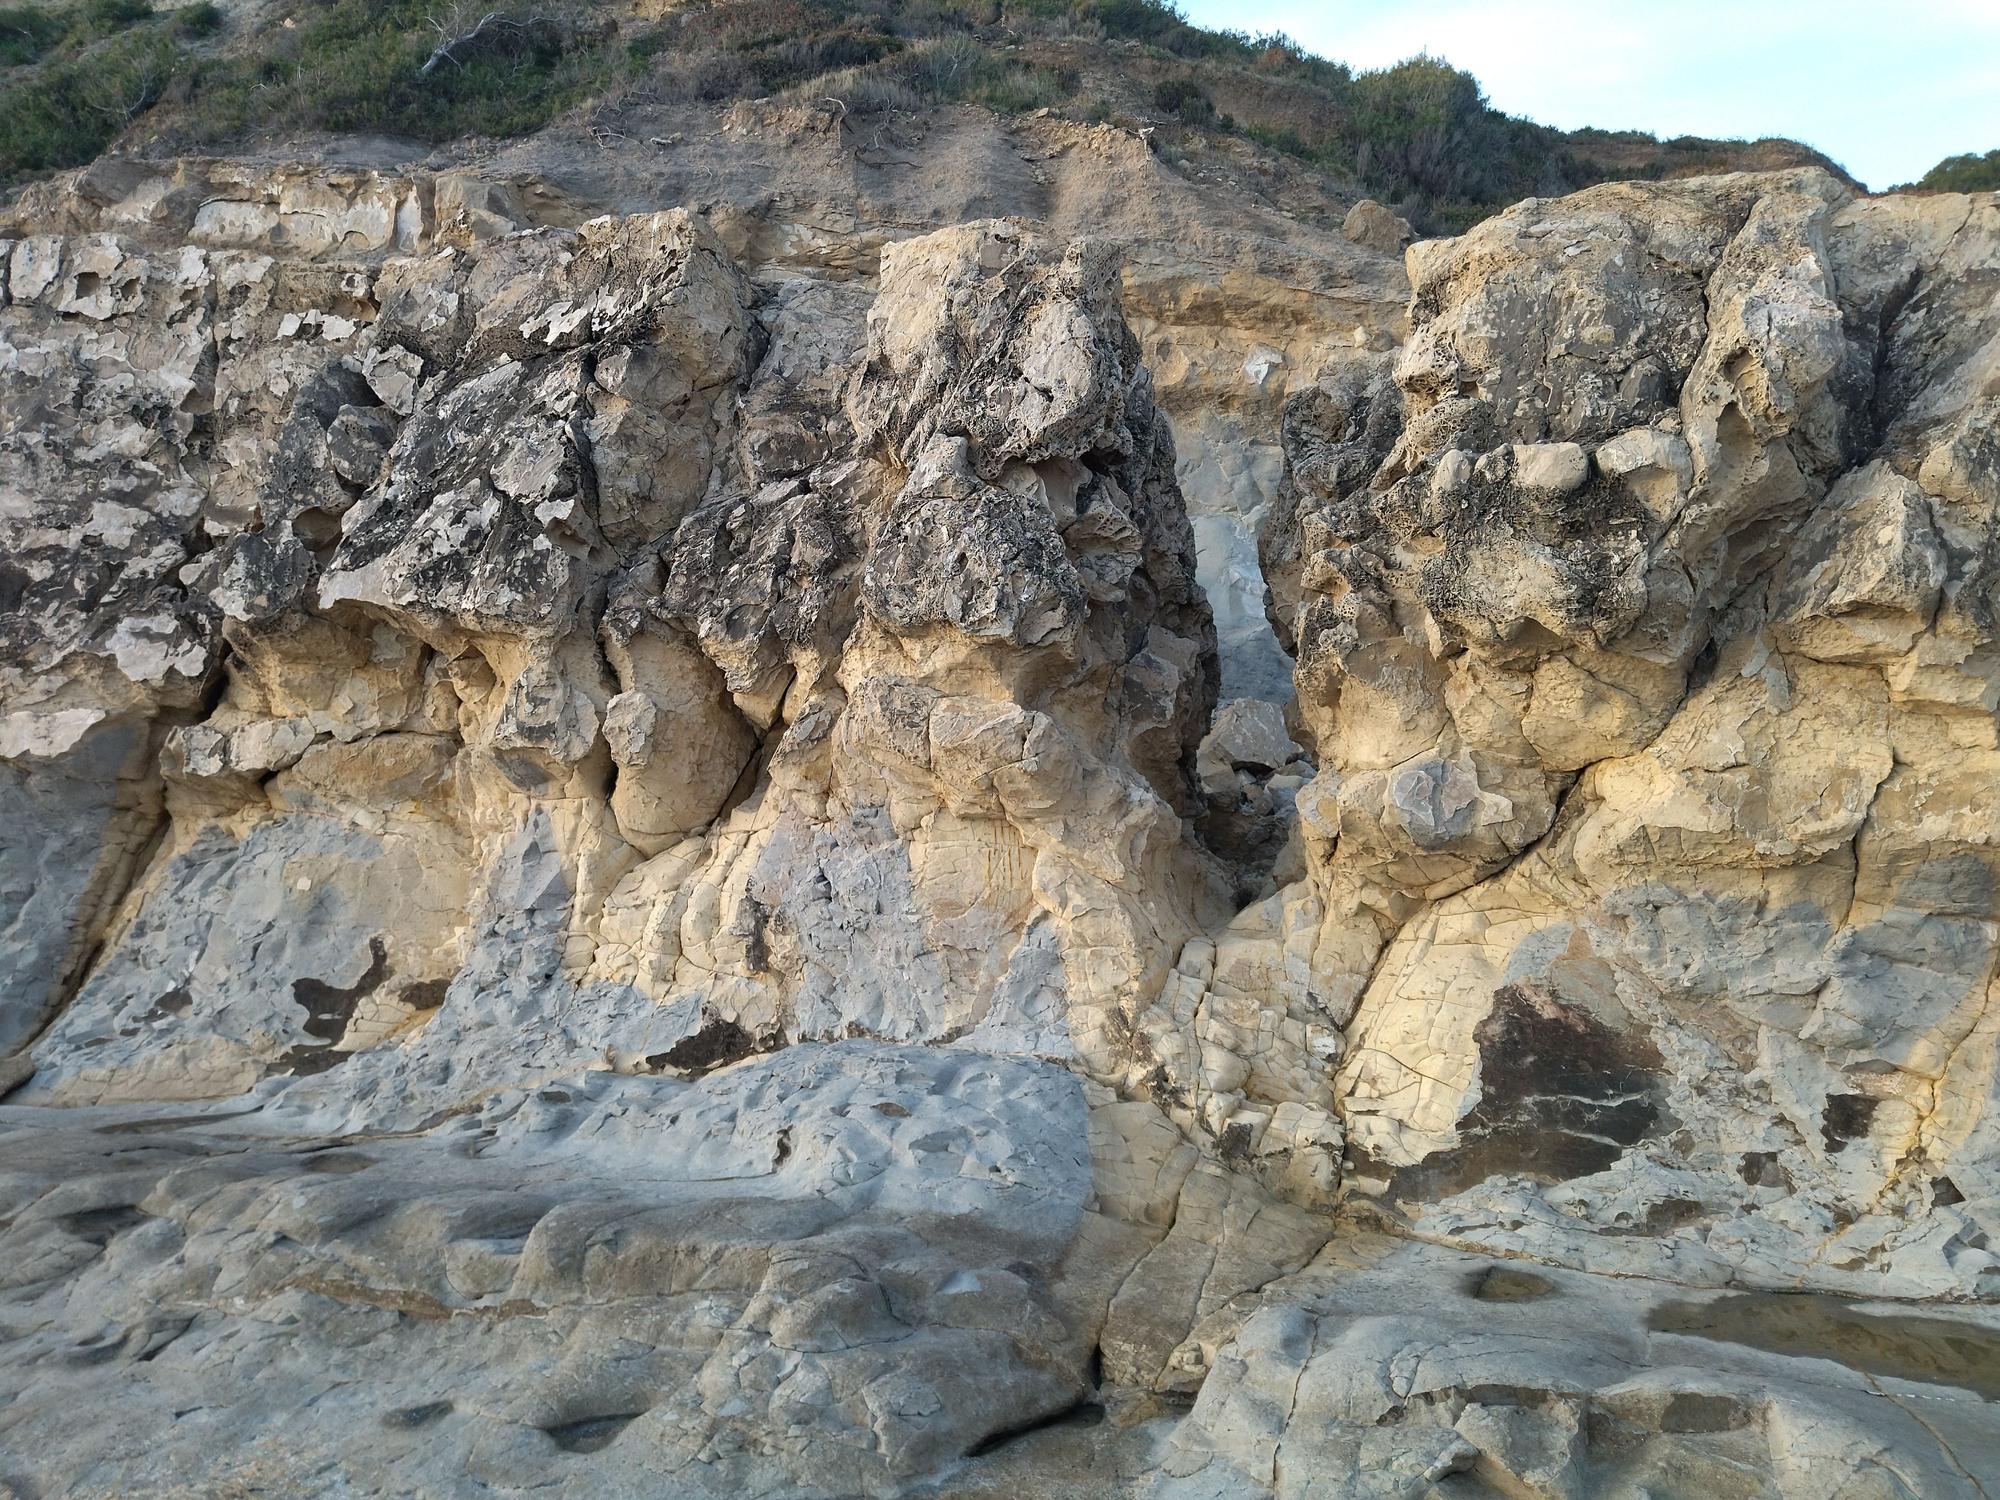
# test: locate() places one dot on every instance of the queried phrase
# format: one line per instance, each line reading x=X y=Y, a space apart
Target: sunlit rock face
x=1649 y=658
x=627 y=871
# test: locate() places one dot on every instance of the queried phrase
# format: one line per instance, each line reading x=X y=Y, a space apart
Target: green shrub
x=716 y=52
x=796 y=59
x=1018 y=90
x=1418 y=124
x=71 y=108
x=1420 y=135
x=956 y=69
x=945 y=70
x=355 y=65
x=1969 y=173
x=1196 y=44
x=1184 y=99
x=27 y=32
x=706 y=76
x=1279 y=138
x=951 y=69
x=359 y=66
x=105 y=16
x=1132 y=20
x=866 y=91
x=1034 y=11
x=203 y=19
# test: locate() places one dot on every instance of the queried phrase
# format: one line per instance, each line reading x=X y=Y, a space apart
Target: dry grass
x=1419 y=135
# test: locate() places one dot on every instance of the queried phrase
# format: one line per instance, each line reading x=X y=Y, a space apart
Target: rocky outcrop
x=564 y=666
x=1645 y=656
x=628 y=868
x=530 y=571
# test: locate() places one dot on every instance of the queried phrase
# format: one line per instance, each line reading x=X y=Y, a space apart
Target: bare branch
x=447 y=49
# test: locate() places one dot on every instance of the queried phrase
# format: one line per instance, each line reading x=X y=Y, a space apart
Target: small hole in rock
x=592 y=1433
x=1509 y=1284
x=417 y=1416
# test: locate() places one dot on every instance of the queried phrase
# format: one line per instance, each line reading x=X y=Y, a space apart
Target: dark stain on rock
x=14 y=583
x=1234 y=1144
x=1845 y=1118
x=1085 y=1412
x=1661 y=1217
x=1762 y=1169
x=1931 y=1350
x=423 y=994
x=592 y=1434
x=718 y=1044
x=98 y=1225
x=1509 y=1284
x=1593 y=533
x=328 y=1010
x=161 y=1333
x=1562 y=1095
x=98 y=1349
x=1701 y=1412
x=167 y=1122
x=410 y=1417
x=756 y=942
x=174 y=1002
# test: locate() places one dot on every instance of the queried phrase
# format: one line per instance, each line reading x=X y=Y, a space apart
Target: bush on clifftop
x=1970 y=173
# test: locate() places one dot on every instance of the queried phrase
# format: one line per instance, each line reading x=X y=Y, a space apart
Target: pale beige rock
x=1616 y=722
x=623 y=820
x=1379 y=228
x=1550 y=468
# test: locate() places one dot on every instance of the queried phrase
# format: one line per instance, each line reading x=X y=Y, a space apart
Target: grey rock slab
x=819 y=1273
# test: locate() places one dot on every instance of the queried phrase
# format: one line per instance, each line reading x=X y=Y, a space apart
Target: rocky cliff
x=622 y=871
x=1648 y=652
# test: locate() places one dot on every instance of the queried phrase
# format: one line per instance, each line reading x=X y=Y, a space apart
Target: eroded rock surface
x=627 y=872
x=1648 y=658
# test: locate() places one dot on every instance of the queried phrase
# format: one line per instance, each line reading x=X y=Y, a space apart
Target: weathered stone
x=622 y=870
x=1369 y=223
x=1550 y=468
x=1618 y=726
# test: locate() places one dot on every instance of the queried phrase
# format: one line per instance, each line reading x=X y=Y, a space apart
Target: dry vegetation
x=1419 y=135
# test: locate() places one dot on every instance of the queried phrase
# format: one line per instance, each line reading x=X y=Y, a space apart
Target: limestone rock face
x=511 y=625
x=450 y=674
x=1650 y=674
x=624 y=872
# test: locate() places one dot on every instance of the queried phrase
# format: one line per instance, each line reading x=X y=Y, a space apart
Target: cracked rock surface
x=626 y=869
x=1649 y=661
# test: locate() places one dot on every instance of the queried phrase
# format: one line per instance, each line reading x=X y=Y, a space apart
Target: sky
x=1885 y=87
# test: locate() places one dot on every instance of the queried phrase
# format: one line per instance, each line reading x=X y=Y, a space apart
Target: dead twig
x=452 y=38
